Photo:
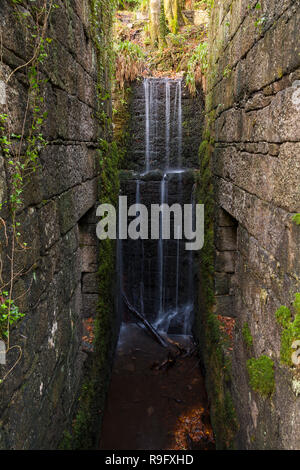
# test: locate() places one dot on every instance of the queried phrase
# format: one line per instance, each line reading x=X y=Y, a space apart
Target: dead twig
x=154 y=333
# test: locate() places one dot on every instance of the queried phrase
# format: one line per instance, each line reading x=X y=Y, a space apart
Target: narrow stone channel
x=152 y=403
x=157 y=397
x=176 y=327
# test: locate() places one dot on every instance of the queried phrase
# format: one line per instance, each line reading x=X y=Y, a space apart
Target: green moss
x=296 y=219
x=227 y=369
x=213 y=343
x=261 y=375
x=290 y=329
x=86 y=427
x=130 y=5
x=163 y=28
x=296 y=303
x=283 y=316
x=101 y=21
x=214 y=332
x=247 y=335
x=227 y=72
x=279 y=73
x=225 y=413
x=87 y=424
x=229 y=410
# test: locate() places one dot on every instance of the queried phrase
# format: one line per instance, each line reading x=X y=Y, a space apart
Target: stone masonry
x=38 y=400
x=192 y=124
x=253 y=104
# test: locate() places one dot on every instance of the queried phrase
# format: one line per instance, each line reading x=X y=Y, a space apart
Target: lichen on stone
x=296 y=387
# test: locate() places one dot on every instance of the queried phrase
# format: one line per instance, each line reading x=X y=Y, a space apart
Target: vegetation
x=290 y=324
x=296 y=219
x=21 y=153
x=130 y=62
x=206 y=4
x=129 y=4
x=161 y=47
x=157 y=24
x=197 y=67
x=173 y=14
x=86 y=426
x=212 y=341
x=247 y=335
x=9 y=314
x=168 y=46
x=261 y=375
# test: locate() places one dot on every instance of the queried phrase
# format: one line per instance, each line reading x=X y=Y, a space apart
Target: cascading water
x=161 y=283
x=140 y=254
x=147 y=119
x=157 y=279
x=158 y=274
x=168 y=111
x=181 y=311
x=151 y=90
x=163 y=100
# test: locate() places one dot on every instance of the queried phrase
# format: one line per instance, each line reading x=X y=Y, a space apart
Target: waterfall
x=159 y=273
x=179 y=124
x=147 y=121
x=161 y=283
x=120 y=274
x=168 y=112
x=177 y=273
x=167 y=108
x=151 y=121
x=140 y=253
x=178 y=308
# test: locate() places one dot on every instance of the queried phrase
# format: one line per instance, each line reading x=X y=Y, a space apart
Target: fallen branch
x=154 y=333
x=166 y=364
x=181 y=349
x=177 y=400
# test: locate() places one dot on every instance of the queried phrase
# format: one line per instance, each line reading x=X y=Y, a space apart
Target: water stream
x=149 y=404
x=172 y=296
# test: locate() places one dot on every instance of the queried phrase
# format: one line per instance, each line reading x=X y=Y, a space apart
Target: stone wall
x=38 y=400
x=253 y=112
x=192 y=124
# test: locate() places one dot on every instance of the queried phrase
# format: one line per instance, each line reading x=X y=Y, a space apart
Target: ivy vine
x=21 y=160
